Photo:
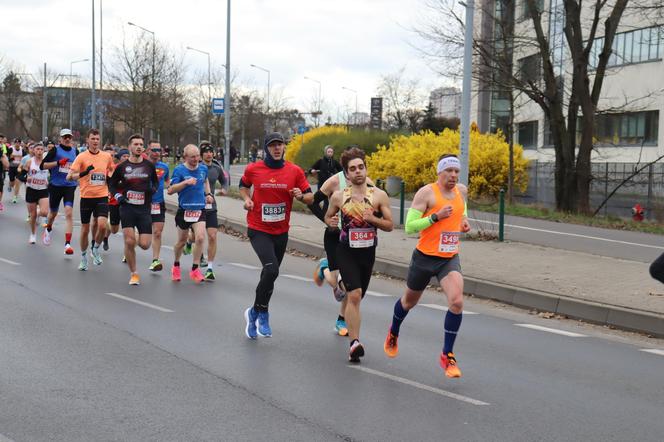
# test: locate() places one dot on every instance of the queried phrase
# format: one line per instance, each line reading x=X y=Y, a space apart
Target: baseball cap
x=272 y=137
x=64 y=132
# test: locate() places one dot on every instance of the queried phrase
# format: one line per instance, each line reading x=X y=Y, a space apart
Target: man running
x=158 y=207
x=276 y=182
x=16 y=153
x=190 y=182
x=133 y=182
x=363 y=209
x=215 y=174
x=113 y=205
x=438 y=212
x=58 y=161
x=91 y=168
x=4 y=165
x=36 y=192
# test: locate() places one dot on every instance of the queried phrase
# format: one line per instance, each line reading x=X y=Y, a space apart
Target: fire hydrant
x=637 y=212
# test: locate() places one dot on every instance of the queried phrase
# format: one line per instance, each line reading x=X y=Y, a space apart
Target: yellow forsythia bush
x=414 y=158
x=293 y=148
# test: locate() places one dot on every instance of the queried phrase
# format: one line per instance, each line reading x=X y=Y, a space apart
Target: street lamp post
x=71 y=74
x=209 y=137
x=227 y=95
x=154 y=50
x=93 y=97
x=465 y=94
x=355 y=92
x=268 y=86
x=320 y=87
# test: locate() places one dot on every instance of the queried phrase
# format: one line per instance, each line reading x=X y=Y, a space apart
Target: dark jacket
x=326 y=167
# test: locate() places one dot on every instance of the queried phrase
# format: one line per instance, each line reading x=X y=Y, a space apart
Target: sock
x=93 y=243
x=49 y=227
x=210 y=264
x=341 y=318
x=84 y=252
x=452 y=324
x=176 y=264
x=194 y=267
x=106 y=241
x=67 y=238
x=398 y=317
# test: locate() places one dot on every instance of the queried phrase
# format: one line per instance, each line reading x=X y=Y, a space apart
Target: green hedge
x=313 y=149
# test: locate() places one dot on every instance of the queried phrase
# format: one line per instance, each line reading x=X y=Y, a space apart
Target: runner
x=363 y=209
x=275 y=182
x=113 y=205
x=36 y=192
x=4 y=165
x=438 y=212
x=158 y=208
x=190 y=182
x=133 y=182
x=58 y=161
x=91 y=169
x=16 y=153
x=22 y=175
x=215 y=174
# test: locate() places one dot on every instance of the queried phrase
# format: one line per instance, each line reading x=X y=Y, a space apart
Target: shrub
x=293 y=148
x=414 y=159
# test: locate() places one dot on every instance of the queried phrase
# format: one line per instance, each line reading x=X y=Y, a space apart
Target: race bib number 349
x=449 y=242
x=272 y=213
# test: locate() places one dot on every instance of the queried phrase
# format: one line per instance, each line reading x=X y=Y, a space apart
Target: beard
x=358 y=180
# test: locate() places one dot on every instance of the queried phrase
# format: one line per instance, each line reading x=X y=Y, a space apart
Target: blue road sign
x=301 y=129
x=217 y=106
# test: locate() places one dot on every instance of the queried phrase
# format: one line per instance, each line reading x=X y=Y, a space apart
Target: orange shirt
x=93 y=185
x=442 y=238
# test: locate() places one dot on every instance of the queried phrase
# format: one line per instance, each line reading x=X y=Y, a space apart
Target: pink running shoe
x=175 y=273
x=196 y=276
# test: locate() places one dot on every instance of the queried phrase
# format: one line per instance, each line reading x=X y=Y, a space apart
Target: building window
x=528 y=134
x=530 y=69
x=637 y=46
x=523 y=9
x=628 y=129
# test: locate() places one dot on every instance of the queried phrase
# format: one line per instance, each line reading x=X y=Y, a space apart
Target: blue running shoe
x=341 y=328
x=251 y=317
x=319 y=276
x=264 y=325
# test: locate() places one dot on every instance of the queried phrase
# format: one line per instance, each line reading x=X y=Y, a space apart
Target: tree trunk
x=583 y=165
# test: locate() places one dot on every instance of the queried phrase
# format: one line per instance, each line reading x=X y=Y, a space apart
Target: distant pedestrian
x=326 y=167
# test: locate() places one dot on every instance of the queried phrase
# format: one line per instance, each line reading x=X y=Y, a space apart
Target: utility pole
x=101 y=72
x=465 y=94
x=93 y=96
x=44 y=108
x=227 y=96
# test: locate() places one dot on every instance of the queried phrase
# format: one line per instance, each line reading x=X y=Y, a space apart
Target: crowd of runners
x=124 y=188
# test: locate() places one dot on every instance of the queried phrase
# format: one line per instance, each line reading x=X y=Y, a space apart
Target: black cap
x=205 y=146
x=272 y=137
x=121 y=152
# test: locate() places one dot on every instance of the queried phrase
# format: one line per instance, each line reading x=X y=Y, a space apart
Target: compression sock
x=398 y=317
x=194 y=266
x=452 y=325
x=67 y=238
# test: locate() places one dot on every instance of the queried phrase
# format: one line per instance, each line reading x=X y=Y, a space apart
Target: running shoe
x=33 y=238
x=204 y=262
x=105 y=244
x=251 y=317
x=135 y=279
x=449 y=364
x=124 y=259
x=83 y=266
x=391 y=346
x=356 y=352
x=341 y=328
x=209 y=275
x=176 y=274
x=46 y=237
x=264 y=325
x=14 y=200
x=2 y=207
x=196 y=276
x=156 y=266
x=96 y=256
x=27 y=220
x=339 y=293
x=187 y=248
x=319 y=276
x=69 y=250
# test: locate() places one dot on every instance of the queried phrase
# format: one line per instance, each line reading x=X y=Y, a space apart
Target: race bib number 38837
x=449 y=242
x=272 y=213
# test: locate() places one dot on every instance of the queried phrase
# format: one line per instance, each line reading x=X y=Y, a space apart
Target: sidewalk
x=594 y=288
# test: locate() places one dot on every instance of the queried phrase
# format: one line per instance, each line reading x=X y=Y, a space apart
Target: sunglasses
x=66 y=136
x=155 y=149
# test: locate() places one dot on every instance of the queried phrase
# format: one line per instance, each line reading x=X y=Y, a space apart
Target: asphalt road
x=634 y=246
x=81 y=360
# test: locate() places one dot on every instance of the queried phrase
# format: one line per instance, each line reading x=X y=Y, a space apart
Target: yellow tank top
x=355 y=232
x=442 y=238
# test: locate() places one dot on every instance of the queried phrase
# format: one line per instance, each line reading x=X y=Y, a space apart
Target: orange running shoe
x=196 y=276
x=449 y=364
x=135 y=279
x=391 y=346
x=175 y=273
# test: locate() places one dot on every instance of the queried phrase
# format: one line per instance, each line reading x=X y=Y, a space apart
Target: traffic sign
x=301 y=129
x=217 y=106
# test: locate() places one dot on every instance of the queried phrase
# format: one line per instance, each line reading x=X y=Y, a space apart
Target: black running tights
x=270 y=250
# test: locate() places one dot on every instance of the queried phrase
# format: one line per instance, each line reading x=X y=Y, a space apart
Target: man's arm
x=332 y=215
x=49 y=161
x=415 y=220
x=465 y=225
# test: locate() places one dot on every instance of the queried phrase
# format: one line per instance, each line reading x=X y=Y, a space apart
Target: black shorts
x=356 y=266
x=424 y=267
x=33 y=195
x=331 y=241
x=136 y=216
x=161 y=216
x=211 y=221
x=58 y=193
x=2 y=179
x=97 y=207
x=114 y=214
x=13 y=173
x=184 y=224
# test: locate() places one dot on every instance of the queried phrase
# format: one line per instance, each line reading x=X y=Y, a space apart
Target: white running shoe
x=33 y=238
x=46 y=237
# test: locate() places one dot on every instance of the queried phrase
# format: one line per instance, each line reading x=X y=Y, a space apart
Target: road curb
x=594 y=312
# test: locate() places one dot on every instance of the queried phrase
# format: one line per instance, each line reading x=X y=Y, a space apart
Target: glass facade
x=630 y=47
x=528 y=134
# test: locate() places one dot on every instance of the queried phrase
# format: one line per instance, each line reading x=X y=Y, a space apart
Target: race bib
x=37 y=183
x=65 y=168
x=135 y=198
x=155 y=209
x=273 y=213
x=361 y=238
x=97 y=179
x=208 y=206
x=449 y=242
x=192 y=216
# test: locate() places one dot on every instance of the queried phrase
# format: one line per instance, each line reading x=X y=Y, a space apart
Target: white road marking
x=576 y=235
x=299 y=278
x=7 y=261
x=551 y=330
x=444 y=309
x=420 y=386
x=377 y=294
x=167 y=247
x=653 y=351
x=144 y=304
x=244 y=266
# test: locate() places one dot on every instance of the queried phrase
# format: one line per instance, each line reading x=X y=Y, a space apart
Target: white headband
x=447 y=163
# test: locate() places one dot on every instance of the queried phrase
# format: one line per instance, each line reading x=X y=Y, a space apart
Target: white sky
x=339 y=42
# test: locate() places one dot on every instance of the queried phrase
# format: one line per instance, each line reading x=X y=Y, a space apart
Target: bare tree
x=401 y=99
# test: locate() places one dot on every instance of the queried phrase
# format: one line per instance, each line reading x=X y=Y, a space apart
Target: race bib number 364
x=449 y=242
x=272 y=213
x=361 y=238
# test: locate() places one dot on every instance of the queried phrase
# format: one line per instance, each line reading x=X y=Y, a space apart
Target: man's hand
x=334 y=222
x=191 y=181
x=62 y=162
x=465 y=225
x=209 y=199
x=89 y=169
x=120 y=198
x=296 y=193
x=248 y=205
x=445 y=212
x=368 y=215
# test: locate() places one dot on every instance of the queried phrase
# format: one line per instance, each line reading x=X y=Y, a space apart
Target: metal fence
x=645 y=188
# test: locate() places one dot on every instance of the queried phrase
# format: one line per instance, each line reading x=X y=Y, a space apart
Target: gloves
x=62 y=162
x=120 y=198
x=87 y=171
